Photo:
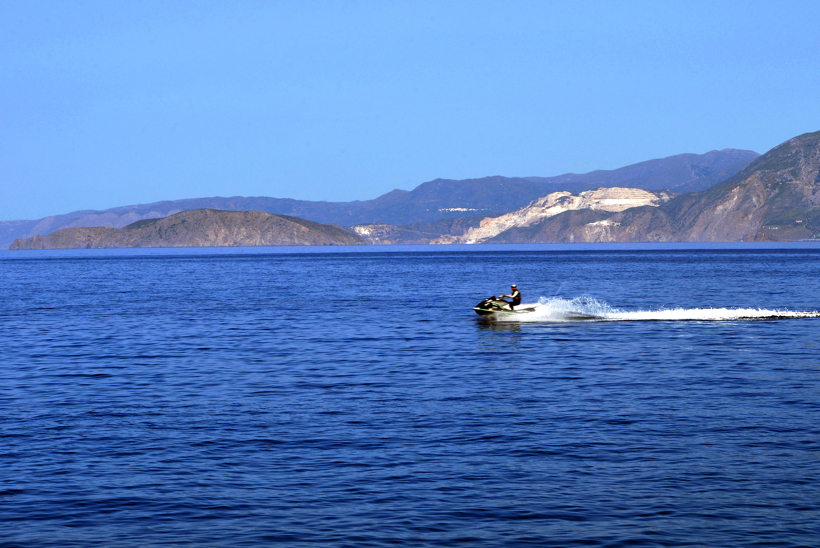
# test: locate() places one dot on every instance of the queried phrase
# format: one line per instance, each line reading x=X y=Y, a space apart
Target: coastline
x=23 y=254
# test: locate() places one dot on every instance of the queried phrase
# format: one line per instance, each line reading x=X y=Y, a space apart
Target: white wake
x=586 y=308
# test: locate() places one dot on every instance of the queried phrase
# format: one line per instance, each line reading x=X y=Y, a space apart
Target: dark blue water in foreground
x=355 y=399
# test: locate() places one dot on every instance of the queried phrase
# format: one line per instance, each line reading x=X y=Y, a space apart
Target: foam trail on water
x=586 y=308
x=712 y=314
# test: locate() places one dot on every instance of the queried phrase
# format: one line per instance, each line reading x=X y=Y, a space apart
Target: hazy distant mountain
x=776 y=197
x=427 y=203
x=681 y=173
x=197 y=228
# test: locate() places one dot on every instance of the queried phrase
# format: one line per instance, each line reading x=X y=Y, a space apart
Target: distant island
x=724 y=195
x=197 y=228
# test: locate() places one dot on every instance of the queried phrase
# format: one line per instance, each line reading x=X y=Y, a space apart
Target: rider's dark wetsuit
x=516 y=298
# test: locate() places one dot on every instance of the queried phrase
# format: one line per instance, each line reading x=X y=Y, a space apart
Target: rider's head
x=513 y=286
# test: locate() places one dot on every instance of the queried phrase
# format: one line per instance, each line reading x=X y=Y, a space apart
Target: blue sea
x=350 y=397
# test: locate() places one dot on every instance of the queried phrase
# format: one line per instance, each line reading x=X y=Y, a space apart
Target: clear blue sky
x=108 y=103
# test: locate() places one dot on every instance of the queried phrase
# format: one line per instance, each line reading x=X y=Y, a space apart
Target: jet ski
x=498 y=307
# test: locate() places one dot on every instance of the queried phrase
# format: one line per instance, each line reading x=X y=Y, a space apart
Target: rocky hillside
x=603 y=199
x=777 y=197
x=431 y=202
x=197 y=228
x=472 y=230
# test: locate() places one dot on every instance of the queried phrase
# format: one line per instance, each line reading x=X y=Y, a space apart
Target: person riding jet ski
x=515 y=295
x=495 y=308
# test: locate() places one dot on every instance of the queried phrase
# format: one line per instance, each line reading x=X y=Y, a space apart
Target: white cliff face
x=605 y=199
x=372 y=234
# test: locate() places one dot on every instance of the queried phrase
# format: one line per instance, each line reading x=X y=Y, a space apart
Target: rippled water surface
x=343 y=398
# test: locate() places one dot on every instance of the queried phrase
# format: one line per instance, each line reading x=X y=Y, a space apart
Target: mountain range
x=775 y=196
x=435 y=208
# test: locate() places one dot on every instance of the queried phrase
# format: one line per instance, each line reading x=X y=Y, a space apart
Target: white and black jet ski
x=497 y=307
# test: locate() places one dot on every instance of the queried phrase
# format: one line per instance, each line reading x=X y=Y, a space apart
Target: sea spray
x=556 y=309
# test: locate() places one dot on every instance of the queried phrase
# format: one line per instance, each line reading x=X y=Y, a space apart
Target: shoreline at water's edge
x=7 y=254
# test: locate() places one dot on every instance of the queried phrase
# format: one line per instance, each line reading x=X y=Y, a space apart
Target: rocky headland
x=197 y=228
